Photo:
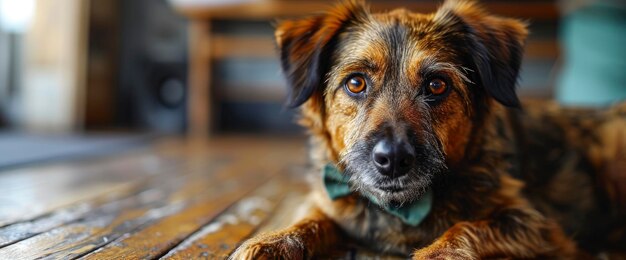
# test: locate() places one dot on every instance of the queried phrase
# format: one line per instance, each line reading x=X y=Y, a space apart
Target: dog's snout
x=392 y=159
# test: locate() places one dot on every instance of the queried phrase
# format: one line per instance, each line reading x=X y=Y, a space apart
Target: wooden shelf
x=243 y=47
x=226 y=46
x=542 y=49
x=263 y=10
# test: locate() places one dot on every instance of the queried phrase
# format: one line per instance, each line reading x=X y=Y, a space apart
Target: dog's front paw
x=444 y=253
x=277 y=246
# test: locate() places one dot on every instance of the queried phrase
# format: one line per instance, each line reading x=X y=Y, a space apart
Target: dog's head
x=396 y=95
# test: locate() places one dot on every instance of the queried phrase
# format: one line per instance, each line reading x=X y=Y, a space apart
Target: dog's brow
x=363 y=64
x=431 y=66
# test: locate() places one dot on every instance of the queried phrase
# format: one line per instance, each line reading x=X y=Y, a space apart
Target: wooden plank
x=90 y=222
x=110 y=221
x=284 y=215
x=22 y=230
x=108 y=224
x=217 y=239
x=157 y=239
x=32 y=192
x=38 y=191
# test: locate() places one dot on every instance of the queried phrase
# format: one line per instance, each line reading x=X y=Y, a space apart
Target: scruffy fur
x=537 y=182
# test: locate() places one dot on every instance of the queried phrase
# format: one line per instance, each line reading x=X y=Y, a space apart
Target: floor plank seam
x=142 y=187
x=191 y=235
x=60 y=208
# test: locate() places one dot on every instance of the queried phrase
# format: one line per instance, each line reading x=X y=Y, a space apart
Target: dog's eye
x=437 y=86
x=356 y=84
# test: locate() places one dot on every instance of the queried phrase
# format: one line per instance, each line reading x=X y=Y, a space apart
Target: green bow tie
x=337 y=186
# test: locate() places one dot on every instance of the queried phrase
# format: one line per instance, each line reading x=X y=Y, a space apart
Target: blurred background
x=85 y=76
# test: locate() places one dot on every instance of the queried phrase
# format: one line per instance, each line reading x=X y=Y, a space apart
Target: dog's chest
x=372 y=226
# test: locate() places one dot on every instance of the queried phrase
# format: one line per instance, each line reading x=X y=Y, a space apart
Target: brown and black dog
x=420 y=109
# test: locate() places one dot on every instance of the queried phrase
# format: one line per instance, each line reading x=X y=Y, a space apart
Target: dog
x=420 y=147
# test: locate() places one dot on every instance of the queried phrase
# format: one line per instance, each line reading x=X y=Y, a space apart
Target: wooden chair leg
x=199 y=94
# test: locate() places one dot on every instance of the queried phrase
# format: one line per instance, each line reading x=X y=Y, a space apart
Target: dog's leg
x=307 y=237
x=513 y=232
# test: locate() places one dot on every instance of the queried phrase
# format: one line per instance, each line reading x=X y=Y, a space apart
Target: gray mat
x=17 y=149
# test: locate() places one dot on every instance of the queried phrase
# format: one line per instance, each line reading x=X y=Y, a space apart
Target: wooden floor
x=176 y=199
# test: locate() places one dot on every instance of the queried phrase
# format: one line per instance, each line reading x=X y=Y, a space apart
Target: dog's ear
x=495 y=45
x=306 y=46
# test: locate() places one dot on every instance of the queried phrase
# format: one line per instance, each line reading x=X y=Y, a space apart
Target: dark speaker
x=153 y=87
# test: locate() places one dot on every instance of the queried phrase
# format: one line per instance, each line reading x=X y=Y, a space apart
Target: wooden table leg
x=199 y=94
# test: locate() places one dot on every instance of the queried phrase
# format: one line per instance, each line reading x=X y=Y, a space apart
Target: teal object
x=594 y=41
x=337 y=186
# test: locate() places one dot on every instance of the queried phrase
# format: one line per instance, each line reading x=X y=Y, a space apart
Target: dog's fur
x=471 y=150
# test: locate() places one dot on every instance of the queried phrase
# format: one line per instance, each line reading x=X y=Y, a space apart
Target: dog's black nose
x=392 y=159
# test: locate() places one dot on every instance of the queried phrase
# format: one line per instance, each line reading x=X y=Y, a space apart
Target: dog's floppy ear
x=306 y=46
x=495 y=45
